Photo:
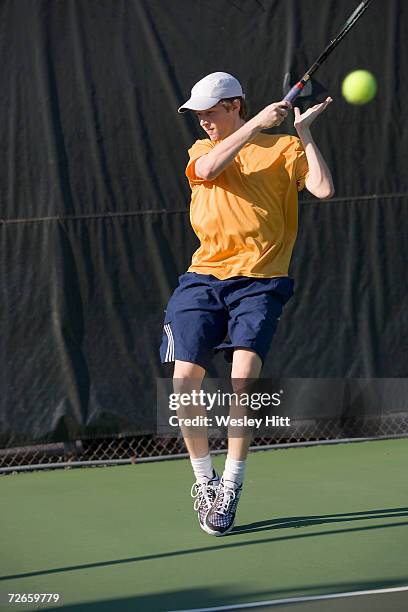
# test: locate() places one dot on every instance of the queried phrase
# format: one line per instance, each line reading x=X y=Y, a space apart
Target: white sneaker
x=204 y=494
x=220 y=520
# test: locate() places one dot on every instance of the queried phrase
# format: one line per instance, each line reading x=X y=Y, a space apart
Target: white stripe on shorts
x=170 y=343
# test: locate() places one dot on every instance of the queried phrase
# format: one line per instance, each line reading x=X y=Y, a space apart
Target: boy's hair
x=243 y=110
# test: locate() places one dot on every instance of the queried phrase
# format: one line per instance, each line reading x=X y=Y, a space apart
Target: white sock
x=234 y=470
x=202 y=467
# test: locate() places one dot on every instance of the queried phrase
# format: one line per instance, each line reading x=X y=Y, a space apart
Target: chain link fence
x=135 y=449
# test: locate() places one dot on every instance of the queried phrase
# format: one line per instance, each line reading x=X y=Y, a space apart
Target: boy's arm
x=211 y=165
x=319 y=180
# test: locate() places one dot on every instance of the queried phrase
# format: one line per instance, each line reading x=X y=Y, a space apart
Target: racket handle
x=294 y=92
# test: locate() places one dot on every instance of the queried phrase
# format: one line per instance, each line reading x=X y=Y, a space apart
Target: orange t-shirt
x=246 y=219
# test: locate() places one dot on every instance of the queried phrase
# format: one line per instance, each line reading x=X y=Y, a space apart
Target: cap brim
x=198 y=104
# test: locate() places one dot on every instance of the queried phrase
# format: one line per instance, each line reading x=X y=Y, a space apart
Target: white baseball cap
x=210 y=90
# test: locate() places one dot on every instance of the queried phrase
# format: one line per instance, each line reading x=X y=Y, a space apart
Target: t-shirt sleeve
x=199 y=148
x=301 y=166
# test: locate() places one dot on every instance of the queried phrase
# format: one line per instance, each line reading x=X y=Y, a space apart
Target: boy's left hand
x=304 y=121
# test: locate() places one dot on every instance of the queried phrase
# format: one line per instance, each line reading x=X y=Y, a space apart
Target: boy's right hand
x=272 y=115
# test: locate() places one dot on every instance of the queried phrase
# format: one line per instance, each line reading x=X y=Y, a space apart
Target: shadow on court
x=272 y=524
x=322 y=519
x=208 y=597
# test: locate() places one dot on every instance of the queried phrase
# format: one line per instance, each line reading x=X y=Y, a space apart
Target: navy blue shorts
x=205 y=315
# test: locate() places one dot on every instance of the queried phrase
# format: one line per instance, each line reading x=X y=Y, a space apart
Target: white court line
x=291 y=600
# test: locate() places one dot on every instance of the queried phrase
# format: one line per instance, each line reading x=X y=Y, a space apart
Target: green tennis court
x=312 y=521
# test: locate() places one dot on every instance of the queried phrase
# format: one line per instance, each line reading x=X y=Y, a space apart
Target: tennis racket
x=351 y=21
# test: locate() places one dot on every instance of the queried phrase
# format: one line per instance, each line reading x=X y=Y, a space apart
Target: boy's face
x=217 y=121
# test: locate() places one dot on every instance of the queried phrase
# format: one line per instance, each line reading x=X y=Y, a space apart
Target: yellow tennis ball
x=359 y=87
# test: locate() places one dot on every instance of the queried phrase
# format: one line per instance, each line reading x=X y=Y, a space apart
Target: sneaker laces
x=225 y=500
x=201 y=491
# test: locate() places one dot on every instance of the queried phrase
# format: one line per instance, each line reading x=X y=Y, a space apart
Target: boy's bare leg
x=188 y=377
x=220 y=519
x=246 y=364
